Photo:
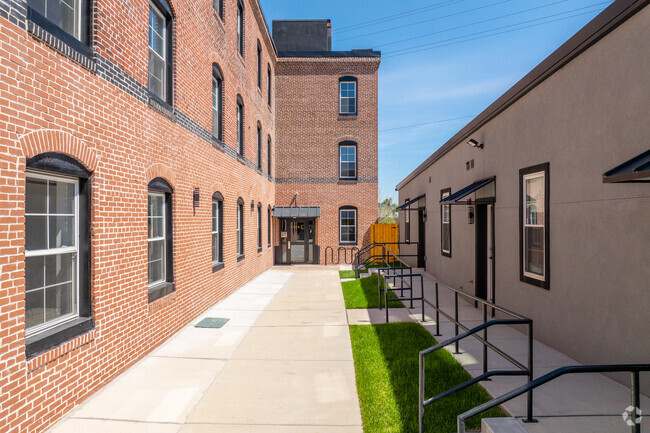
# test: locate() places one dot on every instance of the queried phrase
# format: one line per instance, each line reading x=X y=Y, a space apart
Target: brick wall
x=309 y=130
x=99 y=115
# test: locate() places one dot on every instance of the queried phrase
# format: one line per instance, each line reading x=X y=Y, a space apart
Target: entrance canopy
x=636 y=169
x=475 y=187
x=296 y=212
x=409 y=203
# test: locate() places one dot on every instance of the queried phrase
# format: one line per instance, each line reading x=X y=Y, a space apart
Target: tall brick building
x=144 y=148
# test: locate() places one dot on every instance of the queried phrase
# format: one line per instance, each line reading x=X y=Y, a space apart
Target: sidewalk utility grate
x=212 y=322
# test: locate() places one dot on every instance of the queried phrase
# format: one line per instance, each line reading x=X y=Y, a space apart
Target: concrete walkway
x=283 y=363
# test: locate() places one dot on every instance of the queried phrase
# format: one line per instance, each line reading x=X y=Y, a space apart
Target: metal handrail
x=634 y=369
x=401 y=288
x=401 y=298
x=517 y=319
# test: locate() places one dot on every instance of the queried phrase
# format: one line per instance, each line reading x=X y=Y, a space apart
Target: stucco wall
x=588 y=117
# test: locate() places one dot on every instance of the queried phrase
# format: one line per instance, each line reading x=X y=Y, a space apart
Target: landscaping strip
x=346 y=274
x=362 y=294
x=386 y=366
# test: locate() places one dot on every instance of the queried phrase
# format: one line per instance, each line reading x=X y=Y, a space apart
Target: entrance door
x=421 y=238
x=484 y=277
x=297 y=241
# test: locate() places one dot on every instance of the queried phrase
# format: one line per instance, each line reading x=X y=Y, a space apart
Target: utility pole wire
x=427 y=123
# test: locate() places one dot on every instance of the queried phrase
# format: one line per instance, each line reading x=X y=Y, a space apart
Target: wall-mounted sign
x=196 y=197
x=283 y=235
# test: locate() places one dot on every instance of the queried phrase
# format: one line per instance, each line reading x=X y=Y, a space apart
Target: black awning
x=408 y=203
x=636 y=169
x=466 y=191
x=296 y=212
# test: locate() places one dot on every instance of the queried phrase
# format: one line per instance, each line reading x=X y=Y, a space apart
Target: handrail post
x=529 y=399
x=457 y=351
x=636 y=401
x=421 y=394
x=386 y=301
x=437 y=313
x=422 y=301
x=485 y=337
x=379 y=287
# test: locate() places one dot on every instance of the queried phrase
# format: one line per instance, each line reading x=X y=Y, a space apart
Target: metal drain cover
x=212 y=322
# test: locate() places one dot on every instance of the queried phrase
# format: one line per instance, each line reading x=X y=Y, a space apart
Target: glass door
x=297 y=237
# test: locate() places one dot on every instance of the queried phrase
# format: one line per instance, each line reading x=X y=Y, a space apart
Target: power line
x=427 y=123
x=440 y=44
x=424 y=21
x=470 y=24
x=397 y=16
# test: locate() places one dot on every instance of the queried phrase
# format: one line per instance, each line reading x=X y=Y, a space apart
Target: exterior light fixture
x=252 y=205
x=475 y=143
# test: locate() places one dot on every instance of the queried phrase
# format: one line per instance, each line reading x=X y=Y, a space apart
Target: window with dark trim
x=217 y=231
x=218 y=7
x=268 y=88
x=159 y=240
x=240 y=126
x=534 y=225
x=259 y=65
x=160 y=50
x=268 y=226
x=259 y=227
x=445 y=224
x=268 y=155
x=259 y=145
x=240 y=27
x=348 y=225
x=347 y=96
x=407 y=222
x=240 y=229
x=217 y=103
x=69 y=20
x=57 y=251
x=348 y=160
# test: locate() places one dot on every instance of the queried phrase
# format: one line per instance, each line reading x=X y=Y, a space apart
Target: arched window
x=268 y=155
x=159 y=242
x=218 y=7
x=57 y=251
x=160 y=50
x=217 y=103
x=259 y=145
x=347 y=96
x=240 y=27
x=259 y=64
x=347 y=160
x=240 y=125
x=217 y=231
x=268 y=225
x=268 y=82
x=347 y=225
x=259 y=227
x=240 y=229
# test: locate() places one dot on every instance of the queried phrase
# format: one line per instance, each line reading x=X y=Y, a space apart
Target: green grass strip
x=362 y=294
x=346 y=274
x=386 y=366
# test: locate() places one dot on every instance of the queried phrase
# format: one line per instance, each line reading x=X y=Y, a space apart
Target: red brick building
x=140 y=162
x=326 y=127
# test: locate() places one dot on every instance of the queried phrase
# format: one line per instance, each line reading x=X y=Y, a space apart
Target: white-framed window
x=240 y=27
x=157 y=52
x=156 y=241
x=534 y=225
x=51 y=251
x=348 y=161
x=259 y=146
x=216 y=253
x=71 y=16
x=259 y=227
x=445 y=221
x=218 y=7
x=240 y=126
x=217 y=102
x=348 y=96
x=240 y=228
x=347 y=225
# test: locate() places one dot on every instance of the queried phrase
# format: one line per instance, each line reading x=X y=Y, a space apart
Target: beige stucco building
x=552 y=237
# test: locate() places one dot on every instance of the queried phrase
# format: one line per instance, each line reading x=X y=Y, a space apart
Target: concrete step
x=501 y=425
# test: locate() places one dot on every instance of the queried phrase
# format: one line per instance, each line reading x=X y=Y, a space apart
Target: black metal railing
x=368 y=255
x=516 y=319
x=402 y=298
x=634 y=369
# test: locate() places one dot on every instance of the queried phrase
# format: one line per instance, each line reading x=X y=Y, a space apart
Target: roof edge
x=604 y=23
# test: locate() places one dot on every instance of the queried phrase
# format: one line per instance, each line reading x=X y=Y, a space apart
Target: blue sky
x=441 y=60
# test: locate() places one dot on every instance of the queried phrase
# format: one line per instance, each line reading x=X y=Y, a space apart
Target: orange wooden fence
x=385 y=233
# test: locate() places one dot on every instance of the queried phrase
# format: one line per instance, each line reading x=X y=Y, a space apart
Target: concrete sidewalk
x=283 y=363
